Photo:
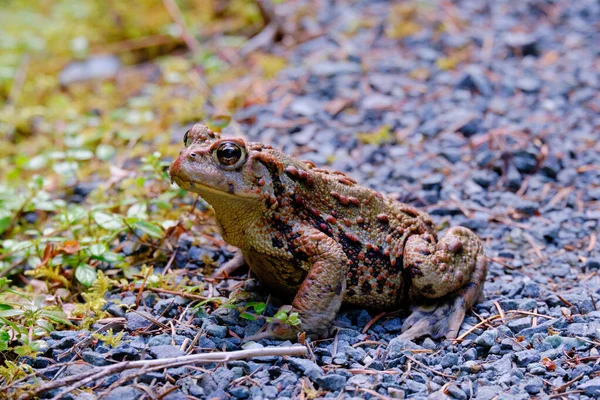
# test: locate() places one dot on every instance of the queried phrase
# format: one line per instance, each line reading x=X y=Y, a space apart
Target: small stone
x=94 y=358
x=522 y=44
x=393 y=325
x=501 y=367
x=135 y=321
x=239 y=392
x=517 y=325
x=307 y=367
x=332 y=382
x=514 y=179
x=593 y=263
x=432 y=182
x=472 y=127
x=534 y=385
x=488 y=338
x=215 y=330
x=415 y=387
x=124 y=352
x=475 y=80
x=470 y=354
x=530 y=290
x=305 y=106
x=123 y=392
x=529 y=84
x=456 y=392
x=489 y=392
x=328 y=68
x=526 y=357
x=449 y=360
x=165 y=351
x=591 y=388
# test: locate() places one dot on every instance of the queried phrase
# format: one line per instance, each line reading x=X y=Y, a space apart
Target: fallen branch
x=179 y=19
x=75 y=381
x=268 y=34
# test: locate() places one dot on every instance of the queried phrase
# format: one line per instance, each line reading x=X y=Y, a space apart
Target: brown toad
x=322 y=238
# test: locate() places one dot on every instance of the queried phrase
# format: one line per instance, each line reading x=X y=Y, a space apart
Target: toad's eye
x=230 y=155
x=186 y=138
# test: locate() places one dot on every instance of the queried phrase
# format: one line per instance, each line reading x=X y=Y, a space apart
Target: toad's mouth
x=200 y=188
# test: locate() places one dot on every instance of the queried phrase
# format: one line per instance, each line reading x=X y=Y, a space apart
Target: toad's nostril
x=192 y=155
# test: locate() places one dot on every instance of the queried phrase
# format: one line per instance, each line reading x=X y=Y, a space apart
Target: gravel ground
x=506 y=143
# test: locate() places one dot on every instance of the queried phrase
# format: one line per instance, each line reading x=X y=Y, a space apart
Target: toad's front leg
x=446 y=280
x=320 y=295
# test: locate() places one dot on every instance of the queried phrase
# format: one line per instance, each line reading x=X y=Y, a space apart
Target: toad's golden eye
x=230 y=155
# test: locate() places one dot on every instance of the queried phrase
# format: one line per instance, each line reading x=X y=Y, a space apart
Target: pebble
x=591 y=387
x=526 y=357
x=488 y=338
x=332 y=382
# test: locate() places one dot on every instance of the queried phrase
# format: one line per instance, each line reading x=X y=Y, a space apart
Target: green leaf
x=108 y=221
x=218 y=122
x=259 y=307
x=37 y=162
x=4 y=223
x=85 y=274
x=149 y=228
x=138 y=210
x=45 y=325
x=80 y=154
x=281 y=315
x=56 y=316
x=294 y=319
x=105 y=152
x=11 y=313
x=248 y=316
x=110 y=257
x=98 y=249
x=5 y=307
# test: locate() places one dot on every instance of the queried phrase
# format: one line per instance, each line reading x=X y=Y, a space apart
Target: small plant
x=283 y=315
x=110 y=339
x=91 y=308
x=26 y=321
x=10 y=372
x=286 y=317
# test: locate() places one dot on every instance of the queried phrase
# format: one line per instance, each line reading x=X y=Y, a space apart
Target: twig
x=563 y=387
x=430 y=369
x=372 y=321
x=186 y=35
x=375 y=394
x=182 y=294
x=485 y=321
x=101 y=372
x=592 y=244
x=534 y=246
x=555 y=395
x=567 y=302
x=530 y=313
x=268 y=34
x=500 y=311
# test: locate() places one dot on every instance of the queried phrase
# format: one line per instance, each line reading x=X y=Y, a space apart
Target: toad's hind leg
x=446 y=280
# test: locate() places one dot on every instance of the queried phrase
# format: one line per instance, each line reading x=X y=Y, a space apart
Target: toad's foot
x=447 y=278
x=437 y=320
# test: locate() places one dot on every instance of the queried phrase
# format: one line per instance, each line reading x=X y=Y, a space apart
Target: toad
x=324 y=240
